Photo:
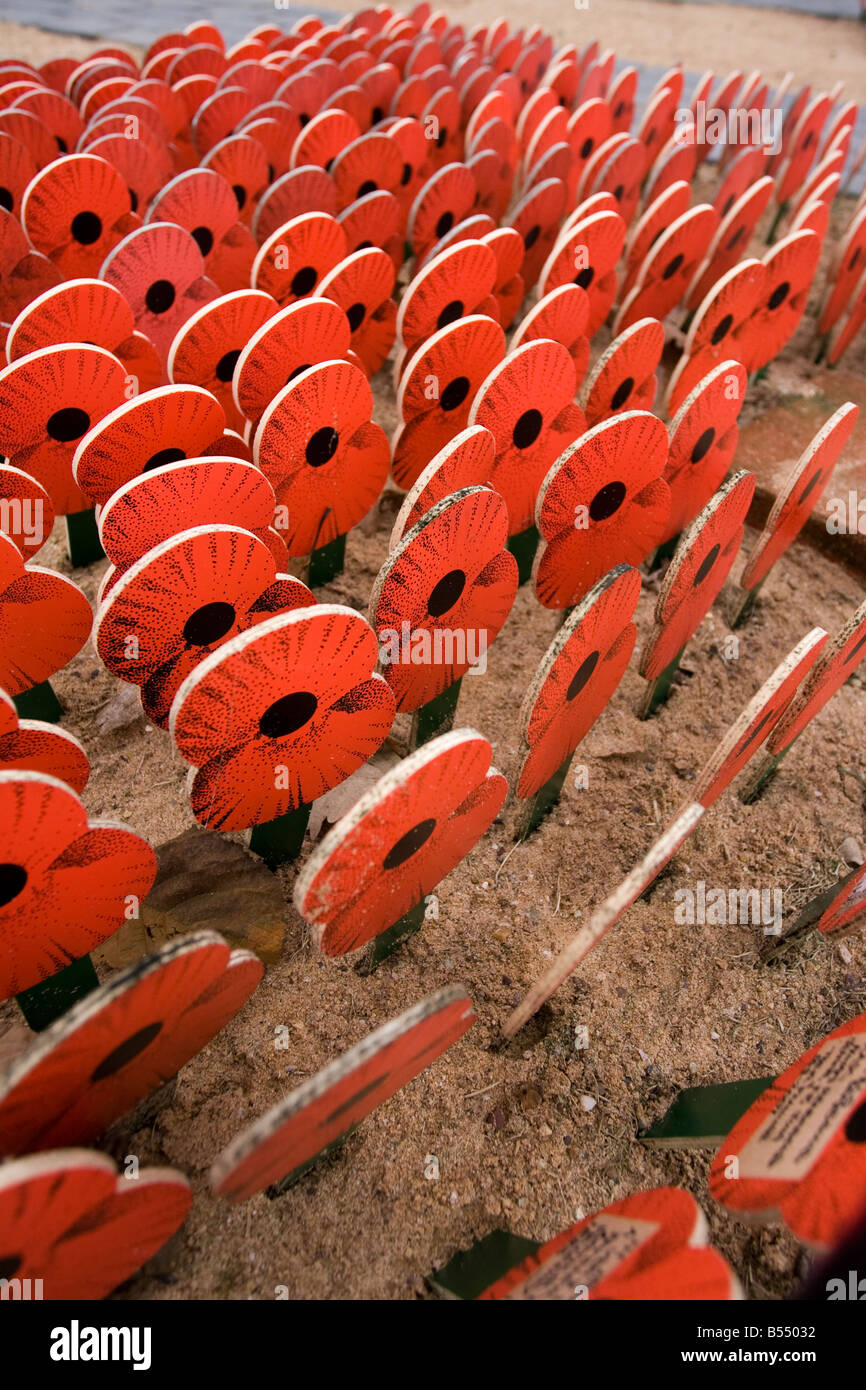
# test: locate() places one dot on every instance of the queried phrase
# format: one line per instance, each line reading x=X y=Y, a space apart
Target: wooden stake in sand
x=605 y=916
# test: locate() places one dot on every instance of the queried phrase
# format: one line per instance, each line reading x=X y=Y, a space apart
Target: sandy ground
x=666 y=1006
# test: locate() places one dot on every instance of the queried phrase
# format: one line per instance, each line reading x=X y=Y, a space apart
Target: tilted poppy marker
x=834 y=912
x=122 y=1041
x=650 y=1246
x=838 y=661
x=276 y=717
x=31 y=745
x=206 y=348
x=283 y=1144
x=465 y=462
x=605 y=916
x=797 y=498
x=624 y=376
x=797 y=1153
x=326 y=459
x=293 y=340
x=160 y=271
x=603 y=503
x=703 y=441
x=76 y=1229
x=527 y=403
x=45 y=619
x=66 y=885
x=440 y=600
x=576 y=678
x=26 y=513
x=692 y=582
x=366 y=883
x=75 y=211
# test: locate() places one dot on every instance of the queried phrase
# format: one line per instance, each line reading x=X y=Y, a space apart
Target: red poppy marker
x=605 y=917
x=713 y=334
x=795 y=502
x=122 y=1041
x=730 y=240
x=159 y=269
x=289 y=343
x=624 y=376
x=204 y=204
x=296 y=257
x=45 y=620
x=326 y=459
x=835 y=912
x=181 y=601
x=276 y=717
x=838 y=660
x=444 y=200
x=576 y=678
x=159 y=504
x=440 y=600
x=159 y=427
x=587 y=255
x=283 y=1144
x=207 y=347
x=302 y=190
x=527 y=403
x=75 y=210
x=66 y=886
x=437 y=388
x=562 y=315
x=757 y=720
x=75 y=1229
x=26 y=513
x=662 y=280
x=650 y=1246
x=361 y=285
x=465 y=462
x=797 y=1152
x=603 y=503
x=701 y=563
x=703 y=441
x=457 y=282
x=789 y=269
x=365 y=884
x=31 y=745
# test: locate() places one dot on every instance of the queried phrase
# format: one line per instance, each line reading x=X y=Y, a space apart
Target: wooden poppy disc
x=704 y=438
x=29 y=745
x=399 y=840
x=464 y=462
x=290 y=342
x=624 y=376
x=839 y=660
x=336 y=1099
x=26 y=513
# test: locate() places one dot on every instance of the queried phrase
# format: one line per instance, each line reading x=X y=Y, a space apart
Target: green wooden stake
x=327 y=562
x=390 y=940
x=744 y=609
x=701 y=1117
x=436 y=717
x=279 y=841
x=534 y=809
x=39 y=702
x=758 y=375
x=780 y=213
x=762 y=777
x=470 y=1272
x=523 y=547
x=82 y=538
x=277 y=1189
x=41 y=1004
x=658 y=690
x=662 y=553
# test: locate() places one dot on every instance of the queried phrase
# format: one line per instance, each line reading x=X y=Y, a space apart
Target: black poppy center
x=304 y=280
x=288 y=714
x=368 y=186
x=779 y=295
x=160 y=296
x=582 y=675
x=6 y=199
x=586 y=148
x=703 y=445
x=723 y=328
x=68 y=424
x=208 y=624
x=322 y=446
x=455 y=393
x=225 y=368
x=585 y=277
x=672 y=267
x=409 y=844
x=622 y=393
x=406 y=175
x=706 y=565
x=811 y=485
x=164 y=456
x=606 y=501
x=452 y=311
x=86 y=228
x=203 y=237
x=445 y=223
x=305 y=367
x=126 y=1051
x=12 y=879
x=527 y=429
x=446 y=593
x=531 y=237
x=240 y=194
x=855 y=1125
x=355 y=315
x=9 y=1265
